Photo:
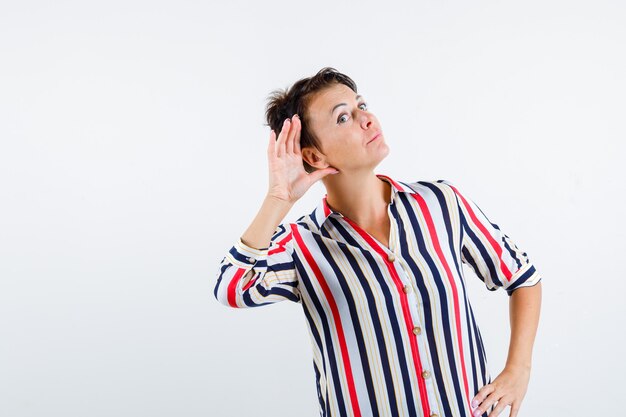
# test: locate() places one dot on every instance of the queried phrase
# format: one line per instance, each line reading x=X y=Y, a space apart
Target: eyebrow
x=358 y=96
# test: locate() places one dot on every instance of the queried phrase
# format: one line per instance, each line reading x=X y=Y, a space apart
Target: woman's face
x=339 y=118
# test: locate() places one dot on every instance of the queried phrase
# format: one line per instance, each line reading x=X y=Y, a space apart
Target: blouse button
x=425 y=374
x=417 y=330
x=251 y=259
x=391 y=257
x=407 y=289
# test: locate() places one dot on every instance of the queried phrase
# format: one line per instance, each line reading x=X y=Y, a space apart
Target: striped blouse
x=392 y=329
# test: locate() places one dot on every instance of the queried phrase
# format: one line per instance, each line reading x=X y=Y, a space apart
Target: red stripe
x=232 y=286
x=335 y=311
x=397 y=185
x=233 y=283
x=281 y=244
x=405 y=311
x=455 y=296
x=496 y=247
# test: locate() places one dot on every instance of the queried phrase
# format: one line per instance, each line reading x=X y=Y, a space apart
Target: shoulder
x=304 y=222
x=431 y=185
x=440 y=191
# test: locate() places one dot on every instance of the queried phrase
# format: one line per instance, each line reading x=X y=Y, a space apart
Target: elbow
x=220 y=292
x=232 y=287
x=218 y=297
x=221 y=295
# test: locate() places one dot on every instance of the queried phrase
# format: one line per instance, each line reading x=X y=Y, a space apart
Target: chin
x=384 y=153
x=381 y=157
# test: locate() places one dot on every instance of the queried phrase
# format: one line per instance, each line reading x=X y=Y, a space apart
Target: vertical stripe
x=455 y=296
x=405 y=310
x=496 y=246
x=361 y=308
x=337 y=319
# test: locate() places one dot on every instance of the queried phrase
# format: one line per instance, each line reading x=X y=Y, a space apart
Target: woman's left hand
x=508 y=388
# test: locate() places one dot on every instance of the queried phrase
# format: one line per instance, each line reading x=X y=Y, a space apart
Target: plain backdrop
x=133 y=155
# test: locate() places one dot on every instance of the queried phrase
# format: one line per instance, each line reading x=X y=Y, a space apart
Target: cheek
x=344 y=148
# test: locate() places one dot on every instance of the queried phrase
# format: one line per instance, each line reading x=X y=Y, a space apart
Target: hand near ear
x=288 y=180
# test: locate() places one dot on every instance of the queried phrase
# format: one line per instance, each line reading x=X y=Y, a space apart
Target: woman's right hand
x=288 y=179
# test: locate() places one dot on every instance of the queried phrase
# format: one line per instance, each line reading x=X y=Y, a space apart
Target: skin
x=357 y=193
x=509 y=387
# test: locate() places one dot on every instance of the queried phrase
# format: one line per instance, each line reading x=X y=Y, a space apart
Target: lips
x=375 y=136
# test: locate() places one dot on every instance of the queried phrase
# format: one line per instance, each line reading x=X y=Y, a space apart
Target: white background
x=132 y=156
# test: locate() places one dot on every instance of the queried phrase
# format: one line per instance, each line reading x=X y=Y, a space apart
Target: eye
x=346 y=114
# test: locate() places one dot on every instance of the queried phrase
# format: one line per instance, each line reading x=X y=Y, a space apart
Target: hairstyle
x=285 y=103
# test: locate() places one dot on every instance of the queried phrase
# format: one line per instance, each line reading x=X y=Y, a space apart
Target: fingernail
x=474 y=403
x=477 y=413
x=296 y=115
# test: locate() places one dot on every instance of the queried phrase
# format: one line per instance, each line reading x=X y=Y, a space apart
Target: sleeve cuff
x=530 y=283
x=248 y=255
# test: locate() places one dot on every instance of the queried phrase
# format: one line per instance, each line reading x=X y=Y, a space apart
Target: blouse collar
x=323 y=211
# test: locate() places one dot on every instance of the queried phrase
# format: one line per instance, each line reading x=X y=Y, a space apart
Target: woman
x=376 y=267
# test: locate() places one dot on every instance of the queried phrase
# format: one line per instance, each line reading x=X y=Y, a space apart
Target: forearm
x=243 y=281
x=524 y=309
x=270 y=215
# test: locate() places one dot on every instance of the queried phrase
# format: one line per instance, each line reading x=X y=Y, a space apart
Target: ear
x=314 y=158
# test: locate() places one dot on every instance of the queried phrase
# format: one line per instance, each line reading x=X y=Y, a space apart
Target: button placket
x=407 y=288
x=430 y=389
x=417 y=329
x=426 y=375
x=402 y=272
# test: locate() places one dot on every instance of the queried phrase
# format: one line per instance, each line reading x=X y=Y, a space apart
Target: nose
x=365 y=119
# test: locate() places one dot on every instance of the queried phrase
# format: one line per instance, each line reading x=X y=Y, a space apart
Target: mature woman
x=377 y=267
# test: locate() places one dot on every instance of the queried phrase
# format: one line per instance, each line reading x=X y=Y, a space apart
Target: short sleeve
x=249 y=277
x=495 y=258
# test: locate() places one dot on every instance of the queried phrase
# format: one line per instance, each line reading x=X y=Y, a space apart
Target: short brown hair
x=295 y=100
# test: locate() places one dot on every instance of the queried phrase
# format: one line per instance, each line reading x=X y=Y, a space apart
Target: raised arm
x=259 y=268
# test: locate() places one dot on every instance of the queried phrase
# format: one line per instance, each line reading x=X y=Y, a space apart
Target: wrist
x=518 y=366
x=277 y=201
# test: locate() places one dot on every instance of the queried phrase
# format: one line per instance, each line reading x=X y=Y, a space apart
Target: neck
x=361 y=198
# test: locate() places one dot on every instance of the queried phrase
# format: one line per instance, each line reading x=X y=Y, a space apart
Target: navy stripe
x=370 y=307
x=354 y=316
x=378 y=330
x=427 y=305
x=328 y=342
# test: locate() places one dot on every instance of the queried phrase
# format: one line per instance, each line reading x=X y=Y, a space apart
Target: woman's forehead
x=322 y=105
